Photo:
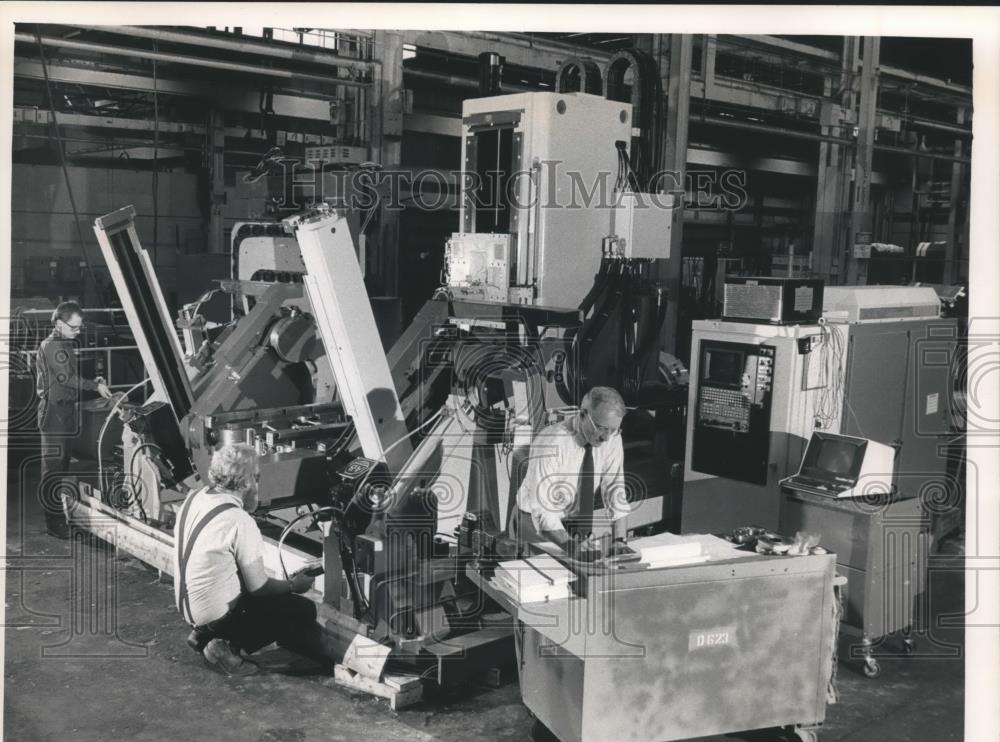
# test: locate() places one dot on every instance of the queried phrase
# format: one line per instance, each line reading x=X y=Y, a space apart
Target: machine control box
x=478 y=266
x=776 y=301
x=735 y=382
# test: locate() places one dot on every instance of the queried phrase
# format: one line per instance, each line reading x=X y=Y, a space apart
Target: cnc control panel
x=732 y=424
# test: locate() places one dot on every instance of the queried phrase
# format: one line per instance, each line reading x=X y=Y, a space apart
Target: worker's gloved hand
x=301 y=582
x=103 y=390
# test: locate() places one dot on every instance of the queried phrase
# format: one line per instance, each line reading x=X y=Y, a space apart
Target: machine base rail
x=156 y=548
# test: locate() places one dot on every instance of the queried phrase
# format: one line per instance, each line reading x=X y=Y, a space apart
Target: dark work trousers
x=253 y=623
x=58 y=425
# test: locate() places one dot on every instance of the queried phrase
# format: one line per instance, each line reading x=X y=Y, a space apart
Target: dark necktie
x=585 y=490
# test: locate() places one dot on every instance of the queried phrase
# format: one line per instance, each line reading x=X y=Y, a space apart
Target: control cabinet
x=750 y=415
x=879 y=368
x=734 y=410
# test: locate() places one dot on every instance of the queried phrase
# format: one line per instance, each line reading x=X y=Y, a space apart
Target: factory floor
x=97 y=652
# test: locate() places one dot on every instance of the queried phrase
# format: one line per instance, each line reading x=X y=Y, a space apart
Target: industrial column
x=387 y=142
x=675 y=163
x=861 y=207
x=951 y=249
x=831 y=186
x=215 y=148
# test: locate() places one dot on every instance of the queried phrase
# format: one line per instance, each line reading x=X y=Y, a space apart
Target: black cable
x=344 y=439
x=608 y=302
x=62 y=162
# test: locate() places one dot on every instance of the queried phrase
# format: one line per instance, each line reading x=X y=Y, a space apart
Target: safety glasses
x=601 y=429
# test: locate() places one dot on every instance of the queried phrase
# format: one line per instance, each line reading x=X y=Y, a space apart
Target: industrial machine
x=551 y=205
x=875 y=366
x=398 y=468
x=338 y=464
x=542 y=194
x=880 y=540
x=748 y=419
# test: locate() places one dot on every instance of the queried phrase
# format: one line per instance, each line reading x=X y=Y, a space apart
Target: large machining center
x=557 y=233
x=340 y=473
x=399 y=469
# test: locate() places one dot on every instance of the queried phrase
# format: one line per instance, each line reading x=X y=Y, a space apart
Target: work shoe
x=220 y=656
x=197 y=639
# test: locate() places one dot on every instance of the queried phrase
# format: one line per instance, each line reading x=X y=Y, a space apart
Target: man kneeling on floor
x=221 y=588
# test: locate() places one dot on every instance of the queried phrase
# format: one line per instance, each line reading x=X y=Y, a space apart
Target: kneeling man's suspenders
x=184 y=549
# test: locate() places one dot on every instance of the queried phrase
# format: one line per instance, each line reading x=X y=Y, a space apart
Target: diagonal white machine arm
x=336 y=291
x=142 y=299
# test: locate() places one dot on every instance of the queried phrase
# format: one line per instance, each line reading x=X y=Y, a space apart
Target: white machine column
x=336 y=291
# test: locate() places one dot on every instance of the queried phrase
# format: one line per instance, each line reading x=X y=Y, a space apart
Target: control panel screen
x=732 y=418
x=724 y=367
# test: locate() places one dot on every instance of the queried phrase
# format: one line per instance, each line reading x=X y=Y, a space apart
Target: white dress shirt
x=549 y=489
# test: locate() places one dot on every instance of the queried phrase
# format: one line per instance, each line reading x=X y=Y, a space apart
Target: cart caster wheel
x=806 y=735
x=872 y=668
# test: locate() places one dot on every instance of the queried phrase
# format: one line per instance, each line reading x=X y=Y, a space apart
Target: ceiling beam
x=517 y=49
x=230 y=98
x=184 y=59
x=791 y=46
x=278 y=50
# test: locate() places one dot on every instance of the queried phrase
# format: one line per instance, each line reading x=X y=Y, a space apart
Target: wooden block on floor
x=400 y=690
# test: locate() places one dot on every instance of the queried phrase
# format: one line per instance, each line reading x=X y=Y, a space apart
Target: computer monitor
x=834 y=457
x=845 y=466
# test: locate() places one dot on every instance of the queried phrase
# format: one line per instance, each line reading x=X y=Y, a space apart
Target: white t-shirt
x=549 y=489
x=230 y=545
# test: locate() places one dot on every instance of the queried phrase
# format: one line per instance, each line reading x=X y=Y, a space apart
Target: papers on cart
x=671 y=555
x=538 y=579
x=671 y=550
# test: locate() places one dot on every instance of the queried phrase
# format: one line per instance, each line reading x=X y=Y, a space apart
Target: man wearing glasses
x=575 y=481
x=58 y=384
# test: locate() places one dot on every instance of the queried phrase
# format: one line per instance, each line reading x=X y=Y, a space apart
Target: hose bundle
x=624 y=311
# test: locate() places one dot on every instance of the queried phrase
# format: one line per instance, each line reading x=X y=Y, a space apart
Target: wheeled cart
x=882 y=545
x=680 y=652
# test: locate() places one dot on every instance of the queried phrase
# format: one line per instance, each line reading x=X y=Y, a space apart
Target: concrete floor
x=97 y=652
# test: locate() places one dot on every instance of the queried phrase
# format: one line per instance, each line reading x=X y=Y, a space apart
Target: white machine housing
x=560 y=148
x=882 y=303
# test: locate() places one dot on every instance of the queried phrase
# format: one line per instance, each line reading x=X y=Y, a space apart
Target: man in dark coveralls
x=58 y=384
